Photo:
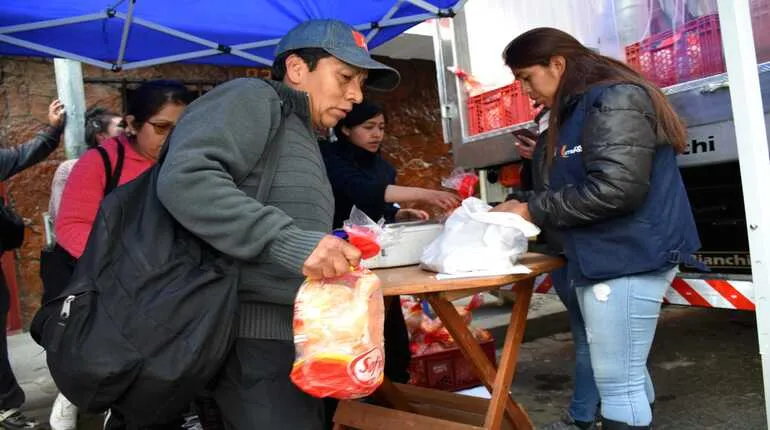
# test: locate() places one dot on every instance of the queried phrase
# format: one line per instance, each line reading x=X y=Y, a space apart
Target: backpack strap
x=269 y=161
x=112 y=177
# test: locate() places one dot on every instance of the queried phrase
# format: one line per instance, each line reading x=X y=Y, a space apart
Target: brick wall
x=28 y=85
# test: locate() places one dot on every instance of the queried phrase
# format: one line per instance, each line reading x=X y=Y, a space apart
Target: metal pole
x=69 y=85
x=754 y=160
x=53 y=52
x=126 y=31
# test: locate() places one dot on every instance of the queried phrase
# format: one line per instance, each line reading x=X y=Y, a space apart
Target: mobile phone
x=525 y=132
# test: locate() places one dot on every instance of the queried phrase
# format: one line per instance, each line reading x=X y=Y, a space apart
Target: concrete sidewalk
x=29 y=366
x=546 y=317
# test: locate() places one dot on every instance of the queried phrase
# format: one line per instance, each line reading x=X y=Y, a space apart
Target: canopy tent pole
x=387 y=16
x=69 y=85
x=178 y=58
x=126 y=31
x=190 y=38
x=53 y=23
x=53 y=51
x=753 y=158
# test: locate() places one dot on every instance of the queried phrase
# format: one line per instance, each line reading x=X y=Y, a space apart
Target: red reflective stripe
x=689 y=294
x=731 y=294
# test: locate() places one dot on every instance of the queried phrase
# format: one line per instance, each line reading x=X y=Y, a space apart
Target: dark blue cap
x=343 y=42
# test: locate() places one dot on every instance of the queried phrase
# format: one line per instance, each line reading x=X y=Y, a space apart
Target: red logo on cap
x=360 y=40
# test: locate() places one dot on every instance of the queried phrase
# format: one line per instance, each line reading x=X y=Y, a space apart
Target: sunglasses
x=162 y=127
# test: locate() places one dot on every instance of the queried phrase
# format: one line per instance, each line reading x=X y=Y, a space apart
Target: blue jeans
x=620 y=317
x=585 y=398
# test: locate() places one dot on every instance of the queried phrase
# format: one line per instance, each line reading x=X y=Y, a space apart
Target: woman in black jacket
x=361 y=177
x=613 y=193
x=12 y=161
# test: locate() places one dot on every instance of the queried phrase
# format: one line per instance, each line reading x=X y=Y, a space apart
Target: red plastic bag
x=365 y=239
x=338 y=335
x=462 y=181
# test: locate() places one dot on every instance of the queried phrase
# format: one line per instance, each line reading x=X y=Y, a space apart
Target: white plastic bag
x=475 y=239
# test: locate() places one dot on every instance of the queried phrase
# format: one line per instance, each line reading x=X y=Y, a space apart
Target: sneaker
x=566 y=423
x=192 y=422
x=12 y=419
x=64 y=415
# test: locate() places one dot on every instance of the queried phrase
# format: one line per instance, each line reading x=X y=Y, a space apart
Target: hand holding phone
x=525 y=142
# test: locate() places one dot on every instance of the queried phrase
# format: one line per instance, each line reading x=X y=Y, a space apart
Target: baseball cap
x=343 y=42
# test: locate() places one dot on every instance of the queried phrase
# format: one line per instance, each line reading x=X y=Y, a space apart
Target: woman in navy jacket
x=614 y=194
x=361 y=177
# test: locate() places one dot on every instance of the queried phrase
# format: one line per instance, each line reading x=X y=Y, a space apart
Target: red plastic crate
x=447 y=370
x=760 y=21
x=692 y=52
x=499 y=108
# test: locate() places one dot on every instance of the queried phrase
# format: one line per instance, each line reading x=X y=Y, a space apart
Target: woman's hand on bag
x=412 y=215
x=514 y=207
x=442 y=199
x=331 y=258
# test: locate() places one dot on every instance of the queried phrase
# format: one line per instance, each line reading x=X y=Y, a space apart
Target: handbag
x=11 y=228
x=56 y=264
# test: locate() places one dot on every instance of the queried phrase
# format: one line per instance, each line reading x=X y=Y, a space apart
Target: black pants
x=11 y=395
x=397 y=353
x=255 y=391
x=118 y=422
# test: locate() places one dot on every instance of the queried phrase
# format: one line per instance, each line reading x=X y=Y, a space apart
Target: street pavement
x=705 y=365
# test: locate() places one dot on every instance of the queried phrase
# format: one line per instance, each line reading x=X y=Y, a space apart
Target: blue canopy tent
x=129 y=34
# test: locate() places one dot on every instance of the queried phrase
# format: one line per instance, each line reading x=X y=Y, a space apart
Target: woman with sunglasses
x=152 y=112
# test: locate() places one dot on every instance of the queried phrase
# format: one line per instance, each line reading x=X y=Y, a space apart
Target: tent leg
x=754 y=160
x=69 y=85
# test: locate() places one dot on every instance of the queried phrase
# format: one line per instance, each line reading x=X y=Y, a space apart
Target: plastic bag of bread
x=338 y=335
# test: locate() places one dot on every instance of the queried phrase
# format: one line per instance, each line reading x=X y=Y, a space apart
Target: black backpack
x=148 y=318
x=56 y=264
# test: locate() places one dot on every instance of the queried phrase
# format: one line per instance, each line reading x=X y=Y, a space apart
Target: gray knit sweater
x=209 y=180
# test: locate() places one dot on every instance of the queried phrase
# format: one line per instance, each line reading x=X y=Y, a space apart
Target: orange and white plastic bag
x=338 y=335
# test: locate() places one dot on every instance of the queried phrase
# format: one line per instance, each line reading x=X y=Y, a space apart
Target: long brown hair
x=584 y=69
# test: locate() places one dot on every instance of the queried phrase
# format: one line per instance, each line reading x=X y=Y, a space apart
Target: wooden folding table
x=402 y=407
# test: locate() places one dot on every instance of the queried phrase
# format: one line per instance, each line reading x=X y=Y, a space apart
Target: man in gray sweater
x=208 y=182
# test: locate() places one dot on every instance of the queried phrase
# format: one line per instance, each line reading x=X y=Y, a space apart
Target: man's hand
x=411 y=215
x=525 y=146
x=331 y=258
x=514 y=207
x=56 y=114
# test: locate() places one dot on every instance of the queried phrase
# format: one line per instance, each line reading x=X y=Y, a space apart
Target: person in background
x=617 y=201
x=152 y=113
x=100 y=125
x=360 y=176
x=12 y=161
x=584 y=406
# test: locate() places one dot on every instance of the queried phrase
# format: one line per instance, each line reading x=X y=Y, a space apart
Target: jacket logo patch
x=566 y=153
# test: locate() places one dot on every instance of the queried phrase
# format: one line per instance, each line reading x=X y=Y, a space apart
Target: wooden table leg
x=389 y=395
x=508 y=360
x=498 y=381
